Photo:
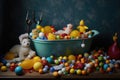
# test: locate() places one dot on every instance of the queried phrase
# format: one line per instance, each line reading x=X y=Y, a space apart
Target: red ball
x=44 y=62
x=12 y=68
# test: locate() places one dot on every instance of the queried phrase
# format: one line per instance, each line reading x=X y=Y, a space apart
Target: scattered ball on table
x=49 y=59
x=37 y=66
x=55 y=74
x=78 y=71
x=71 y=57
x=8 y=64
x=19 y=70
x=3 y=68
x=45 y=70
x=52 y=69
x=72 y=71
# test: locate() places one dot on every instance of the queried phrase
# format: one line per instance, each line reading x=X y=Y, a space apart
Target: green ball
x=100 y=58
x=101 y=64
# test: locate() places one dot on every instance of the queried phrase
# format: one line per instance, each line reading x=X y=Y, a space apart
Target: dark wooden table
x=38 y=76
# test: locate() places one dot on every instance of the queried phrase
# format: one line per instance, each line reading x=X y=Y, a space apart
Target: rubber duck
x=82 y=28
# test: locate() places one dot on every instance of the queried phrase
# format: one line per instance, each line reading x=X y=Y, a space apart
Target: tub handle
x=95 y=32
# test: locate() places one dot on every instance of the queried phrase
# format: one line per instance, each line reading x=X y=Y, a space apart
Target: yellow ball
x=39 y=27
x=75 y=34
x=55 y=74
x=78 y=71
x=65 y=57
x=51 y=36
x=37 y=66
x=27 y=64
x=71 y=57
x=47 y=29
x=36 y=59
x=72 y=71
x=3 y=68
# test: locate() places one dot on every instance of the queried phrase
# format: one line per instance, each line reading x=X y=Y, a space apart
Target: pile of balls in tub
x=49 y=32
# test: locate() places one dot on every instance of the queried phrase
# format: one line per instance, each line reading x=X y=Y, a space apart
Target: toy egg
x=78 y=72
x=71 y=57
x=51 y=36
x=43 y=58
x=41 y=35
x=49 y=59
x=55 y=74
x=18 y=70
x=3 y=68
x=37 y=66
x=27 y=64
x=101 y=64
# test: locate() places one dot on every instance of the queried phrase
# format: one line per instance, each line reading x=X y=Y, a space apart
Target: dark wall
x=102 y=15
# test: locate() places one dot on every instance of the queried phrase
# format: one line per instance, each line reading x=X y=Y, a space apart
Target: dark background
x=102 y=15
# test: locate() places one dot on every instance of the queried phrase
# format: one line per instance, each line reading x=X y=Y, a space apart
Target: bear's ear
x=23 y=36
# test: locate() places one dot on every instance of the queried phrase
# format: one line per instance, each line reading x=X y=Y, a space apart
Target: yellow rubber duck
x=82 y=28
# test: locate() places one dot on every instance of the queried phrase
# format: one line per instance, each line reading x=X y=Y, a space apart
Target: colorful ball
x=71 y=57
x=3 y=68
x=78 y=71
x=49 y=59
x=18 y=70
x=55 y=74
x=72 y=71
x=52 y=69
x=37 y=66
x=27 y=64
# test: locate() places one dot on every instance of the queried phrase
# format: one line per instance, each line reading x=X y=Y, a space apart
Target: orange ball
x=55 y=74
x=108 y=69
x=40 y=71
x=84 y=72
x=107 y=61
x=66 y=64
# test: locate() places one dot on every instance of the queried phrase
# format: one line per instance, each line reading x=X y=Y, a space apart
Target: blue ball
x=52 y=69
x=105 y=66
x=45 y=70
x=49 y=59
x=18 y=70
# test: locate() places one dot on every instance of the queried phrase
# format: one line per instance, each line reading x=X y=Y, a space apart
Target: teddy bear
x=22 y=51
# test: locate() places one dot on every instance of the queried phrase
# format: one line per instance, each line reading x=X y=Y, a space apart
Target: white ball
x=43 y=58
x=8 y=64
x=59 y=72
x=63 y=69
x=41 y=34
x=82 y=45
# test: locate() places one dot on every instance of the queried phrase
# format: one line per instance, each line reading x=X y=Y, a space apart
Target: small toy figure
x=22 y=51
x=82 y=28
x=66 y=30
x=114 y=50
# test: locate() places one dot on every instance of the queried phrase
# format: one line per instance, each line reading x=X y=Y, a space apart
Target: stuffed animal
x=66 y=30
x=22 y=51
